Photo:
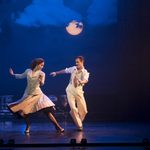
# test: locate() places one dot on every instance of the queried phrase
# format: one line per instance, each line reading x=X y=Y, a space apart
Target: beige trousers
x=77 y=104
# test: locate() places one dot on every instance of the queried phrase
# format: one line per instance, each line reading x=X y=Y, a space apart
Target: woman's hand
x=11 y=71
x=53 y=74
x=41 y=80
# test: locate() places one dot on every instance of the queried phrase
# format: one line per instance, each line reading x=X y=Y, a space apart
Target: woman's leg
x=54 y=121
x=26 y=117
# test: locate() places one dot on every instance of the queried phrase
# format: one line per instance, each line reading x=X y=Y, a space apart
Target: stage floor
x=93 y=132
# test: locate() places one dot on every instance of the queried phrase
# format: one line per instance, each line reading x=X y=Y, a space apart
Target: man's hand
x=53 y=74
x=81 y=81
x=11 y=71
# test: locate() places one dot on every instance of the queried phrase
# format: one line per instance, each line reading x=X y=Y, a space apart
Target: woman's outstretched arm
x=18 y=76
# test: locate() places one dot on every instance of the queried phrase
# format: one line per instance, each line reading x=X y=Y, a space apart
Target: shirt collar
x=82 y=70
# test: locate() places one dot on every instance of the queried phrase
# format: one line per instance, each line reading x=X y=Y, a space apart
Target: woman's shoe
x=27 y=130
x=60 y=130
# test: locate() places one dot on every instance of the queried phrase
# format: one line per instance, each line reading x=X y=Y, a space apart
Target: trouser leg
x=81 y=105
x=73 y=110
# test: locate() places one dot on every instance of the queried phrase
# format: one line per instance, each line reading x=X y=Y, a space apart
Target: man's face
x=79 y=63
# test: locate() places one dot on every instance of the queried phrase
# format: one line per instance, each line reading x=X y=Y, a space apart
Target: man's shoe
x=80 y=129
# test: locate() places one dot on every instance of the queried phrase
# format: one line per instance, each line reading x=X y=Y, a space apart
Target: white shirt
x=82 y=74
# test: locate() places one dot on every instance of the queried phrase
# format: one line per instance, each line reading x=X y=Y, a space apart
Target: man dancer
x=74 y=90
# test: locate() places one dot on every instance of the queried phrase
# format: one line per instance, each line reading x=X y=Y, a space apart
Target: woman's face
x=40 y=66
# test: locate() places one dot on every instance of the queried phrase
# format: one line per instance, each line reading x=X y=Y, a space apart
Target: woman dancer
x=34 y=99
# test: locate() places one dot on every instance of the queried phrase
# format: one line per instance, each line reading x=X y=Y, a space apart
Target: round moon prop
x=74 y=27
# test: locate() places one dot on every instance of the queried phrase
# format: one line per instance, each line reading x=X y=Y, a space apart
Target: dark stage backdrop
x=114 y=42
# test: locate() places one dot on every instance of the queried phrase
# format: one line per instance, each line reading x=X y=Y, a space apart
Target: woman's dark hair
x=36 y=62
x=81 y=58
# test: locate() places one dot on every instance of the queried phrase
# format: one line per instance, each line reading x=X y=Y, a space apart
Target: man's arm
x=64 y=71
x=82 y=81
x=85 y=78
x=53 y=74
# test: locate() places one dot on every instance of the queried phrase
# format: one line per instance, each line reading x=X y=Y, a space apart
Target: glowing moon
x=74 y=27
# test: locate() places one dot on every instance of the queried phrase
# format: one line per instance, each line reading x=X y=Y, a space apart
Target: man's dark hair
x=81 y=58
